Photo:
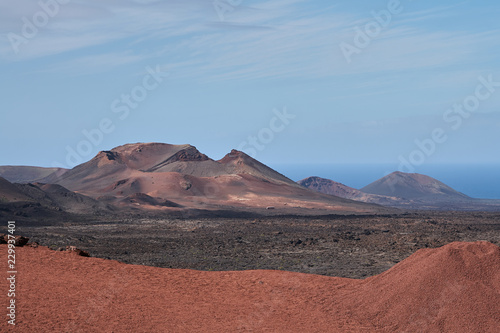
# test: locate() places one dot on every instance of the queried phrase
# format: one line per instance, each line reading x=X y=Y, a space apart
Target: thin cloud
x=267 y=40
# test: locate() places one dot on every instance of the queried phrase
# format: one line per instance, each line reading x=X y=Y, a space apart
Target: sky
x=411 y=83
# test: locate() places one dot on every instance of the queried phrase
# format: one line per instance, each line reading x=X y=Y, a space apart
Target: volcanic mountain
x=402 y=190
x=413 y=186
x=454 y=288
x=331 y=187
x=158 y=158
x=187 y=178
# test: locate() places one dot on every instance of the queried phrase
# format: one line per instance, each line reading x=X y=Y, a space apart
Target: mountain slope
x=237 y=162
x=11 y=193
x=413 y=186
x=70 y=201
x=46 y=197
x=150 y=158
x=331 y=187
x=29 y=174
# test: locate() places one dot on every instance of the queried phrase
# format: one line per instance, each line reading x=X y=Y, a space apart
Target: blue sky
x=225 y=77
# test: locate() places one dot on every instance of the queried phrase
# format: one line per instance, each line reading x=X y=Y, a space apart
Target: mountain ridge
x=332 y=187
x=171 y=178
x=405 y=191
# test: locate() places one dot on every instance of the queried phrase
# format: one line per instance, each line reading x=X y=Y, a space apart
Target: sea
x=477 y=181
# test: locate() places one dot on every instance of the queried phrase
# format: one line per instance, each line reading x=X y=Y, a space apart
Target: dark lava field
x=344 y=246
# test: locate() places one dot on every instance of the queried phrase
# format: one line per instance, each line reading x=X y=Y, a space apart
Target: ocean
x=477 y=181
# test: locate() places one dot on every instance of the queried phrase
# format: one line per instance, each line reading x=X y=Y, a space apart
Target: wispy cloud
x=263 y=40
x=81 y=24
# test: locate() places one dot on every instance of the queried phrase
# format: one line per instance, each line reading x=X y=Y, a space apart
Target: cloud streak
x=270 y=39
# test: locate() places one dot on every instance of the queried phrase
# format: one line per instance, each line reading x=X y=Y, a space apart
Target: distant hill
x=331 y=187
x=29 y=174
x=401 y=190
x=413 y=186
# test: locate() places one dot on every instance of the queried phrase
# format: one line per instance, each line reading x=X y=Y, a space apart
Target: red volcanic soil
x=455 y=288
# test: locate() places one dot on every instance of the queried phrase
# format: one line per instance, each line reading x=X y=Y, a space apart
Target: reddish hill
x=455 y=288
x=153 y=158
x=237 y=163
x=188 y=178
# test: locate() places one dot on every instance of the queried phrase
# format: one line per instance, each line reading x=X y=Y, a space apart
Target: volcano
x=188 y=179
x=413 y=186
x=407 y=191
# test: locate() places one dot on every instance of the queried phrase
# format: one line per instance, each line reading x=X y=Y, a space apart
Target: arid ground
x=343 y=246
x=408 y=272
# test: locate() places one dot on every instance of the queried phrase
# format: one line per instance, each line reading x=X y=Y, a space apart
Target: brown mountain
x=413 y=186
x=400 y=190
x=185 y=177
x=29 y=174
x=159 y=158
x=58 y=196
x=331 y=187
x=39 y=201
x=11 y=193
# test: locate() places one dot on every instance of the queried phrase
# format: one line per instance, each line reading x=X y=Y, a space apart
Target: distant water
x=478 y=181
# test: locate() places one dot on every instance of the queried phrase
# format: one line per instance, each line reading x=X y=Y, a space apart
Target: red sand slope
x=455 y=288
